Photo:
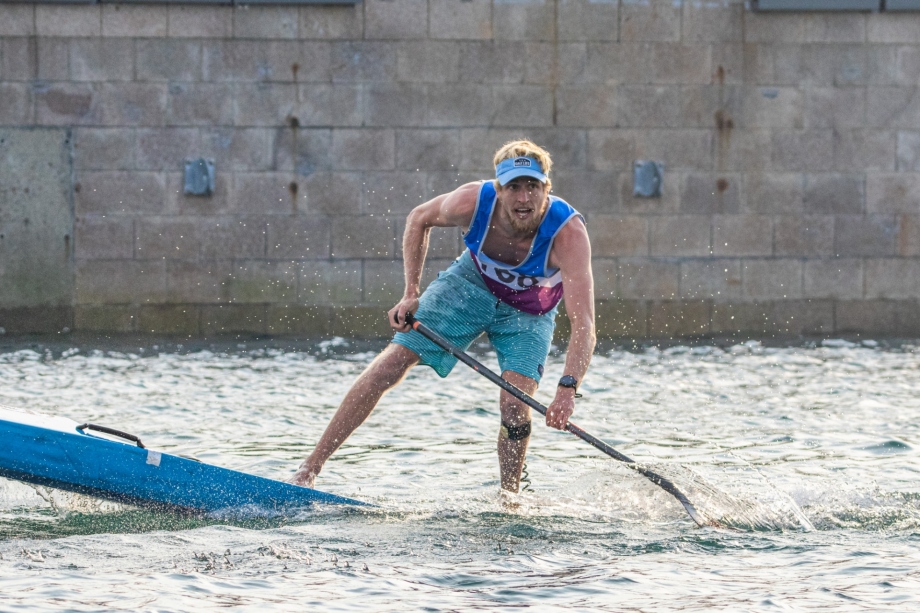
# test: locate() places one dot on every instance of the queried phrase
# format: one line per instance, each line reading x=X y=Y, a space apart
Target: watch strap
x=571 y=382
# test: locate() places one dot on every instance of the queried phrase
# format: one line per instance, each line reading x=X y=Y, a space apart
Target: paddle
x=654 y=477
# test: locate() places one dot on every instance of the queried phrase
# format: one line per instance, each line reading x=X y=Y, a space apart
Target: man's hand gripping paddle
x=655 y=478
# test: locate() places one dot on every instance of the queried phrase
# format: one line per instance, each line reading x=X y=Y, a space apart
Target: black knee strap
x=515 y=433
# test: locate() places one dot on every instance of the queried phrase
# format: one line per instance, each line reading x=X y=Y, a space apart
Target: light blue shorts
x=459 y=306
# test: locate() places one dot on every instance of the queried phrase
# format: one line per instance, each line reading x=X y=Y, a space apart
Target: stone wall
x=791 y=144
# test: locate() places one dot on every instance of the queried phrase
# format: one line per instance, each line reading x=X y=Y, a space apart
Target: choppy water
x=832 y=430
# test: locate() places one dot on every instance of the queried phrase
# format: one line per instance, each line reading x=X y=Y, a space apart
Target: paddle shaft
x=524 y=397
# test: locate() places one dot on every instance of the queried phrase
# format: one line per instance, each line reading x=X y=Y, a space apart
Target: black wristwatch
x=570 y=381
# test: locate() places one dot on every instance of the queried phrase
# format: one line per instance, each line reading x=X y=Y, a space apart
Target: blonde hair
x=525 y=148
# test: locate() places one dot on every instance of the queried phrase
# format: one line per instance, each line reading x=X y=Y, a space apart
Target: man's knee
x=525 y=384
x=513 y=411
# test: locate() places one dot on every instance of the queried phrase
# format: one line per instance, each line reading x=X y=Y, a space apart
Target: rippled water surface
x=823 y=436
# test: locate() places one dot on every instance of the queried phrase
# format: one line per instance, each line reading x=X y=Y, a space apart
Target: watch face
x=568 y=381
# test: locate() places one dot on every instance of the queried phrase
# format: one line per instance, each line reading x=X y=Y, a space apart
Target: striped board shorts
x=460 y=307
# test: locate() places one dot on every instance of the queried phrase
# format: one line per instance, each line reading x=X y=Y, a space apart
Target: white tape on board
x=153 y=457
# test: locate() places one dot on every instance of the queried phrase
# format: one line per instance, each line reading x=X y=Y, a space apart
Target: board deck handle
x=111 y=431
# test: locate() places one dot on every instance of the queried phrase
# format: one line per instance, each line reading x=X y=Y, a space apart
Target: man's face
x=523 y=202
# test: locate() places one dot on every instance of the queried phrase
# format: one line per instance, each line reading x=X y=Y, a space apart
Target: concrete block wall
x=791 y=144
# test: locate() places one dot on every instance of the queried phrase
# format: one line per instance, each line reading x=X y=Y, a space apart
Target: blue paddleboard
x=60 y=453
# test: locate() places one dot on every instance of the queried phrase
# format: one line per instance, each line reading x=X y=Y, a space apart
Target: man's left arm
x=572 y=255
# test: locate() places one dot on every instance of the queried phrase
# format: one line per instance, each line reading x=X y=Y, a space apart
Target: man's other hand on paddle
x=397 y=315
x=561 y=409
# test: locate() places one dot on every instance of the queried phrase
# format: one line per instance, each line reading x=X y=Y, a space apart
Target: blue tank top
x=531 y=286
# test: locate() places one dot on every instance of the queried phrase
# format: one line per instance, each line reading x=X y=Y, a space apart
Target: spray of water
x=770 y=510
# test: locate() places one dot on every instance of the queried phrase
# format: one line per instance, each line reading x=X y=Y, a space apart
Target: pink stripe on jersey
x=535 y=300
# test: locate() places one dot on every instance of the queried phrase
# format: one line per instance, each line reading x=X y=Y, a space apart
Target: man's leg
x=513 y=441
x=381 y=375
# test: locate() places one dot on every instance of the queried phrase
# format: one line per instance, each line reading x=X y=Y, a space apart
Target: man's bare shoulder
x=575 y=232
x=572 y=245
x=468 y=192
x=458 y=206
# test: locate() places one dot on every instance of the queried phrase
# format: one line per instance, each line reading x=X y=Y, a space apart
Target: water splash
x=752 y=511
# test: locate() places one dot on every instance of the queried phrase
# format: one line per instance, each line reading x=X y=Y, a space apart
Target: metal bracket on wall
x=647 y=178
x=199 y=177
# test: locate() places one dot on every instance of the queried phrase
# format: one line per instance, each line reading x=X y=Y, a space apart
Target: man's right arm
x=445 y=211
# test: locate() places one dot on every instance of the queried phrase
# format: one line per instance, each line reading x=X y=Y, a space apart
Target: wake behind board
x=52 y=451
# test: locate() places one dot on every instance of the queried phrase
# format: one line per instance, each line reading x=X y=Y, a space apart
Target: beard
x=525 y=226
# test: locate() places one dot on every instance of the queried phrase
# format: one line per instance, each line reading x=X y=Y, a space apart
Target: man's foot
x=303 y=477
x=510 y=501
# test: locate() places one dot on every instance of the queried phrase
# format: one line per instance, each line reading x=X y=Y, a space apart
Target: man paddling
x=526 y=251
